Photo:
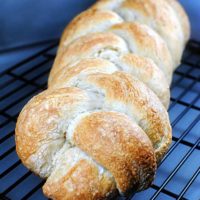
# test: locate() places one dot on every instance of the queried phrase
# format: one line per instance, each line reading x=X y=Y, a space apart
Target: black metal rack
x=178 y=175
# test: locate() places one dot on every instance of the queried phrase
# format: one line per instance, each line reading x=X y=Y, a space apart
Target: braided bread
x=102 y=127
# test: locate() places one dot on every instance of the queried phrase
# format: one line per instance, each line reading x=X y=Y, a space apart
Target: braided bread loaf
x=102 y=127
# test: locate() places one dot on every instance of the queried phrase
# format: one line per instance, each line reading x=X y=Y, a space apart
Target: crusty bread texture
x=102 y=126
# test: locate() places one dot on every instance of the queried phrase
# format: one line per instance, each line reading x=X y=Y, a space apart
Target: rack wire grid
x=178 y=175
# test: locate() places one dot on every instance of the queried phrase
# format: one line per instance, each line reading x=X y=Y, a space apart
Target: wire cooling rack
x=178 y=176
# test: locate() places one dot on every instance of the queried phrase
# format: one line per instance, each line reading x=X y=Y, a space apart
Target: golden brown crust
x=84 y=67
x=29 y=130
x=80 y=183
x=142 y=68
x=140 y=37
x=158 y=14
x=38 y=125
x=118 y=141
x=89 y=21
x=98 y=44
x=88 y=46
x=142 y=103
x=137 y=98
x=148 y=72
x=99 y=129
x=182 y=16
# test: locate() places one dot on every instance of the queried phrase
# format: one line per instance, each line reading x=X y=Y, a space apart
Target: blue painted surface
x=28 y=21
x=23 y=22
x=192 y=7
